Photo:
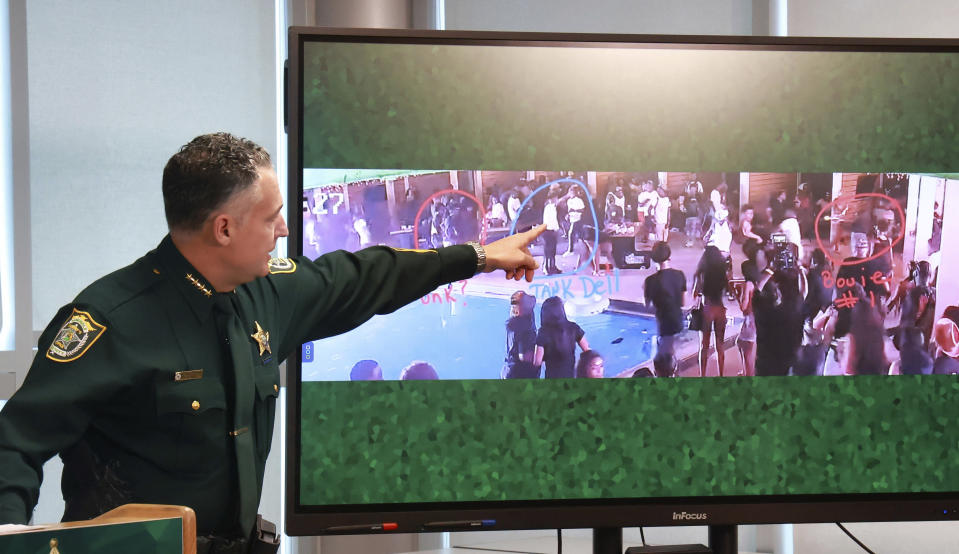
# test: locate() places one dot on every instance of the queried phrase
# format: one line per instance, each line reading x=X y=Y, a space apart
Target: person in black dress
x=557 y=339
x=520 y=338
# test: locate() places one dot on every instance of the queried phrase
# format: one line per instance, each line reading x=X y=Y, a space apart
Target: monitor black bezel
x=550 y=514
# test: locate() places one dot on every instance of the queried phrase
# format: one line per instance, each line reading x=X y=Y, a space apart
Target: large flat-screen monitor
x=805 y=187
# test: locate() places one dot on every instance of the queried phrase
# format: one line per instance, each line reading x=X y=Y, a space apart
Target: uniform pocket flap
x=267 y=383
x=190 y=397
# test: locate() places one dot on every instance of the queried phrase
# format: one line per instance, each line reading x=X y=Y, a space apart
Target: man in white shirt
x=789 y=226
x=717 y=198
x=575 y=207
x=646 y=201
x=513 y=205
x=719 y=234
x=694 y=186
x=618 y=198
x=551 y=220
x=496 y=216
x=646 y=210
x=663 y=205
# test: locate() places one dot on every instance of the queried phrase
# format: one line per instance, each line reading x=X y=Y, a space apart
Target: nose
x=282 y=230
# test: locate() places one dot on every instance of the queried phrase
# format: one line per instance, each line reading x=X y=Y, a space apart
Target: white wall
x=689 y=17
x=915 y=538
x=15 y=164
x=7 y=297
x=115 y=88
x=874 y=18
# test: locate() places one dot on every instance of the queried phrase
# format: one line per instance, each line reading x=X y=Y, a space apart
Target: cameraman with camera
x=777 y=304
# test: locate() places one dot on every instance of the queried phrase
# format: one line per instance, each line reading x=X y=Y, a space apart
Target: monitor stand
x=723 y=539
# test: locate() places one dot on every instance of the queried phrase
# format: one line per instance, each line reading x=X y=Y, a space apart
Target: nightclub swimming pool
x=465 y=339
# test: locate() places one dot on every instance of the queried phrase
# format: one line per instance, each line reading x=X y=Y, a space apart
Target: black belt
x=212 y=544
x=263 y=540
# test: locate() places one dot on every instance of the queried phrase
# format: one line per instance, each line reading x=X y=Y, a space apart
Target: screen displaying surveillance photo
x=646 y=274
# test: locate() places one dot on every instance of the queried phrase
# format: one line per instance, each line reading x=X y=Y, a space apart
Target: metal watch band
x=480 y=256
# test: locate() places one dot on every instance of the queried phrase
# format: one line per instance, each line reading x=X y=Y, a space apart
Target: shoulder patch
x=281 y=265
x=75 y=337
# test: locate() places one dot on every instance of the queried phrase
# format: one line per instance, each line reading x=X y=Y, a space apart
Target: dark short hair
x=664 y=364
x=661 y=252
x=747 y=207
x=364 y=370
x=419 y=371
x=205 y=173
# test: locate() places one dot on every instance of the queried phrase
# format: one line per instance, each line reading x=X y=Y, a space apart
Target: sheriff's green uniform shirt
x=155 y=388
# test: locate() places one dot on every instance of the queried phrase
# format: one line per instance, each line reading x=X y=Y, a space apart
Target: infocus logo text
x=688 y=516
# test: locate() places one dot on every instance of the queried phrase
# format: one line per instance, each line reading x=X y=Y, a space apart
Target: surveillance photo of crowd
x=751 y=274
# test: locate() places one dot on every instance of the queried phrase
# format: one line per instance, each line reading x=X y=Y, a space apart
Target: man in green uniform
x=158 y=383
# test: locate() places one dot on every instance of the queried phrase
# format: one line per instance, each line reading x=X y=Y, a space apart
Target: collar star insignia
x=196 y=283
x=262 y=339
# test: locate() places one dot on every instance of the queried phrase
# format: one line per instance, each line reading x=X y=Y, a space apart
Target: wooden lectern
x=144 y=528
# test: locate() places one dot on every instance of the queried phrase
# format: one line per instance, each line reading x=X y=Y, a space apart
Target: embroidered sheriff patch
x=75 y=337
x=281 y=265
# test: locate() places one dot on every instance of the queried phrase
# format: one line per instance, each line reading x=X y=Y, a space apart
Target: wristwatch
x=480 y=256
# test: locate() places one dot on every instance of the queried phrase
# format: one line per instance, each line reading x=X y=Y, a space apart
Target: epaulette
x=123 y=285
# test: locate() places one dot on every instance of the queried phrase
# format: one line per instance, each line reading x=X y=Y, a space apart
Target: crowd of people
x=357 y=216
x=815 y=317
x=801 y=313
x=800 y=308
x=451 y=219
x=644 y=209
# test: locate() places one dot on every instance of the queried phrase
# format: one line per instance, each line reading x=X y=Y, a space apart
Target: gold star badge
x=262 y=338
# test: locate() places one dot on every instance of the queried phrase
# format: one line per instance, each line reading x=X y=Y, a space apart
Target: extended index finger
x=532 y=234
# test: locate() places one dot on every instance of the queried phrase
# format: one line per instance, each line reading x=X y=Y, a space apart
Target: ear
x=223 y=227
